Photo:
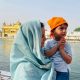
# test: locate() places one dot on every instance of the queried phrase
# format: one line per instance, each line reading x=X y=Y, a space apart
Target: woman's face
x=43 y=38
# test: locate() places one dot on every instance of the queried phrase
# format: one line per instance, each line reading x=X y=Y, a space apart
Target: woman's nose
x=44 y=38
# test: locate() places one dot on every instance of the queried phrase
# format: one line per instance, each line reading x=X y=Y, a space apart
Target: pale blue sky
x=24 y=10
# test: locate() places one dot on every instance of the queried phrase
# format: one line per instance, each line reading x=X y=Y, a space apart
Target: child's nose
x=64 y=30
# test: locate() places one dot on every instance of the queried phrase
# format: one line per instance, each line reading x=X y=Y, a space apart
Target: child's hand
x=61 y=43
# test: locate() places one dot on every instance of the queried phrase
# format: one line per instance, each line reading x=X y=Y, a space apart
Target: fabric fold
x=26 y=60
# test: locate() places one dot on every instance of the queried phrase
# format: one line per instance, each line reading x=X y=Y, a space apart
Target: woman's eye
x=42 y=36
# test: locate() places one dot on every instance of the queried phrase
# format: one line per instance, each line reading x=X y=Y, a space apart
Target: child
x=58 y=49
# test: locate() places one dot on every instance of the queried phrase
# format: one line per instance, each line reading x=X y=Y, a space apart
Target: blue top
x=57 y=60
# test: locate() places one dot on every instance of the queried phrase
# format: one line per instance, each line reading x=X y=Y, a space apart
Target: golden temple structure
x=10 y=30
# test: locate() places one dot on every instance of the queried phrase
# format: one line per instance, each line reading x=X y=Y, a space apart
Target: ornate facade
x=10 y=30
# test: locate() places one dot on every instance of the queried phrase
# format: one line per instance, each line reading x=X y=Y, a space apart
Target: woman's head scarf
x=26 y=60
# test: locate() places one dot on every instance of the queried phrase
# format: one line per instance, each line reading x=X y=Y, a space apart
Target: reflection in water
x=75 y=66
x=5 y=46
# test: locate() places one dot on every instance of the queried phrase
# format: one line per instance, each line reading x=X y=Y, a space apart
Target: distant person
x=26 y=58
x=57 y=49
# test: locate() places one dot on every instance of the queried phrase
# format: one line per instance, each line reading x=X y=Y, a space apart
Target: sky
x=12 y=11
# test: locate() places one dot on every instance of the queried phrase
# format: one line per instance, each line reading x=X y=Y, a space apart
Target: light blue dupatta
x=26 y=60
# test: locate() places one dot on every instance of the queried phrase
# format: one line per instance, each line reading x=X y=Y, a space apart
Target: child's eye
x=61 y=28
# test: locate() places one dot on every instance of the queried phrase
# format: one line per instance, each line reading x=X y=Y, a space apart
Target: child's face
x=43 y=38
x=60 y=31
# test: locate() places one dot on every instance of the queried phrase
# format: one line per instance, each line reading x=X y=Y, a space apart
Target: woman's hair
x=42 y=24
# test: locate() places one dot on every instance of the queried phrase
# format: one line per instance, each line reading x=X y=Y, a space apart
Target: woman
x=26 y=59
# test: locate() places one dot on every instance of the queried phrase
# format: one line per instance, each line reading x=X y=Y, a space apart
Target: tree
x=77 y=29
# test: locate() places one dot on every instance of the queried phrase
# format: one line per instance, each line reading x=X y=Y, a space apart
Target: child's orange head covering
x=56 y=21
